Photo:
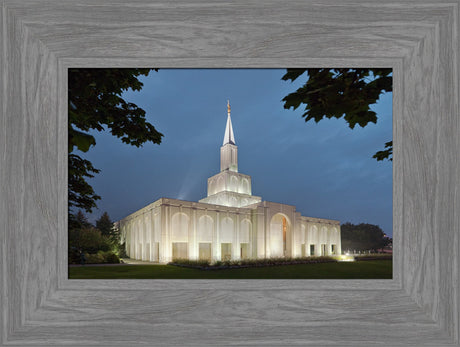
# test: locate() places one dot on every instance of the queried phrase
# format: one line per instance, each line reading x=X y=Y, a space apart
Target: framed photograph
x=43 y=39
x=282 y=202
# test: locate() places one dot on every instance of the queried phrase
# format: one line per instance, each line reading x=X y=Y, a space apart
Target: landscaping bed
x=374 y=257
x=101 y=257
x=247 y=263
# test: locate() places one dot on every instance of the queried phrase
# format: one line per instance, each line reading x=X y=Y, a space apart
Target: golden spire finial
x=228 y=107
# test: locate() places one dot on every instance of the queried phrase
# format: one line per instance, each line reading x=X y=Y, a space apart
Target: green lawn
x=373 y=269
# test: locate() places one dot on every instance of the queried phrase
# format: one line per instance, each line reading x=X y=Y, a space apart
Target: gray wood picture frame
x=42 y=38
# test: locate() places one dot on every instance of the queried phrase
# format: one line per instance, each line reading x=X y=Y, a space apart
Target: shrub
x=101 y=257
x=74 y=256
x=94 y=258
x=109 y=257
x=112 y=258
x=252 y=262
x=89 y=240
x=197 y=263
x=374 y=257
x=121 y=248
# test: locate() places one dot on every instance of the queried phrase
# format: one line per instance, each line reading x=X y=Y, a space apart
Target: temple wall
x=171 y=228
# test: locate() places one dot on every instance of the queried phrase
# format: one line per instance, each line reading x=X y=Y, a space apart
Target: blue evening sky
x=325 y=169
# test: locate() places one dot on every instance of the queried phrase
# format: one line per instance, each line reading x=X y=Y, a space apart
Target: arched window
x=245 y=230
x=205 y=229
x=226 y=230
x=245 y=186
x=233 y=184
x=179 y=227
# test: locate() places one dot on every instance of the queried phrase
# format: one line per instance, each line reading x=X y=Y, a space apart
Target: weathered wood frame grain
x=42 y=38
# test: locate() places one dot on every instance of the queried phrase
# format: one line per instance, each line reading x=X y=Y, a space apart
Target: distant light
x=345 y=257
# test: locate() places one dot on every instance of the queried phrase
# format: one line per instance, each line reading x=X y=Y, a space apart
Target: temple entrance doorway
x=280 y=236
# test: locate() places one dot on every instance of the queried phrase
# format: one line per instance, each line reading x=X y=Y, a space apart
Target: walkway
x=123 y=262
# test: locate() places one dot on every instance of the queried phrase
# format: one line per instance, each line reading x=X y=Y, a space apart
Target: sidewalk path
x=138 y=262
x=124 y=262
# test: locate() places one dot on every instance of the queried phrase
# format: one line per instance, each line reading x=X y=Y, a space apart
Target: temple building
x=229 y=223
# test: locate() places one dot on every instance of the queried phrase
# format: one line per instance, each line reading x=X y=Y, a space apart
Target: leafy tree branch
x=337 y=93
x=96 y=103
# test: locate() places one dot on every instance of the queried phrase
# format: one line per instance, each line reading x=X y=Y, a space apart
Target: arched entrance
x=280 y=236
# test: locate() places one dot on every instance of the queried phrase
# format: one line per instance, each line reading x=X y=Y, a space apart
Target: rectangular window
x=226 y=251
x=323 y=249
x=146 y=254
x=180 y=250
x=244 y=250
x=312 y=249
x=204 y=251
x=155 y=254
x=333 y=249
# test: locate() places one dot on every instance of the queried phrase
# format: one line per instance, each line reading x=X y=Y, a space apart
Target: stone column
x=236 y=239
x=192 y=246
x=152 y=235
x=339 y=241
x=132 y=240
x=260 y=232
x=216 y=246
x=267 y=234
x=136 y=238
x=294 y=237
x=134 y=233
x=307 y=239
x=144 y=238
x=320 y=240
x=164 y=242
x=251 y=253
x=168 y=234
x=195 y=231
x=126 y=231
x=159 y=231
x=140 y=231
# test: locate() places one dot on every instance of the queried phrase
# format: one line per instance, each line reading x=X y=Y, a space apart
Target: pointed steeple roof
x=228 y=137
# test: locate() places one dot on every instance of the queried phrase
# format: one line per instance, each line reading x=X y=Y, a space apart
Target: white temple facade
x=230 y=223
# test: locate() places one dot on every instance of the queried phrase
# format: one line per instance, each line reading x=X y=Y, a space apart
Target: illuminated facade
x=230 y=223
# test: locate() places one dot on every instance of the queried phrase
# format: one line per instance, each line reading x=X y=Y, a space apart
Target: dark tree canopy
x=81 y=219
x=363 y=237
x=81 y=194
x=337 y=93
x=78 y=221
x=105 y=225
x=101 y=241
x=88 y=239
x=95 y=103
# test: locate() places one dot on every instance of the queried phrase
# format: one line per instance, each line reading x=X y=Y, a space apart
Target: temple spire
x=228 y=137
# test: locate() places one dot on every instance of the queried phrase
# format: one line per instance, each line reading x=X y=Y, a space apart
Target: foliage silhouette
x=344 y=92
